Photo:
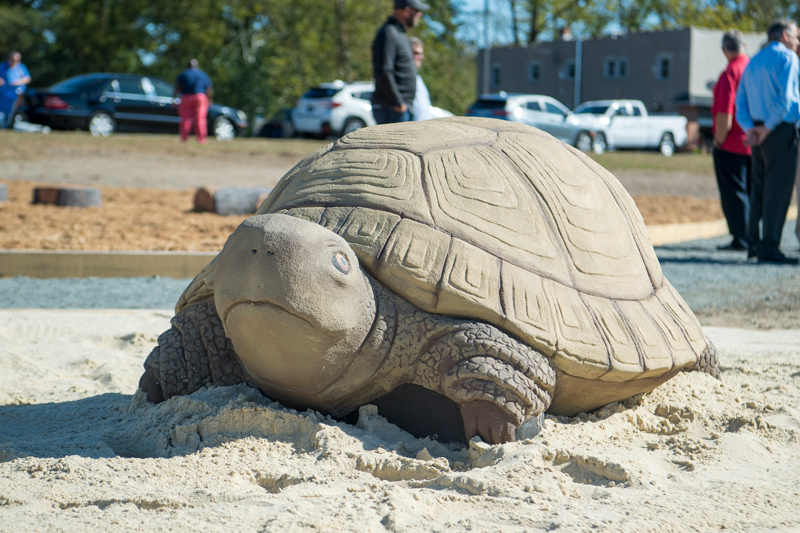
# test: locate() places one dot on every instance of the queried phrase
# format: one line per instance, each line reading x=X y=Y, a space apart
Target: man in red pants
x=196 y=90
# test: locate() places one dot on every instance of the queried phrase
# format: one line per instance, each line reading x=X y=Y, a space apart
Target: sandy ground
x=78 y=452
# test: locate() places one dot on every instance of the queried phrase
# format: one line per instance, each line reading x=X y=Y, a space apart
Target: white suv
x=540 y=111
x=334 y=109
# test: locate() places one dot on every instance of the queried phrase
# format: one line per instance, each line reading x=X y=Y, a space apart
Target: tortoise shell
x=500 y=222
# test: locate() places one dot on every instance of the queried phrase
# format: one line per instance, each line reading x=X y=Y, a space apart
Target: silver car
x=540 y=111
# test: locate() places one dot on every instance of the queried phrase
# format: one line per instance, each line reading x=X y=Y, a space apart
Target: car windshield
x=320 y=92
x=77 y=82
x=489 y=104
x=591 y=110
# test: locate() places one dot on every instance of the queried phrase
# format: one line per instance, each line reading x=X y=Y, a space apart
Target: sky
x=475 y=31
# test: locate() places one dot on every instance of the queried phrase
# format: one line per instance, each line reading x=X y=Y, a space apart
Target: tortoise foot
x=488 y=421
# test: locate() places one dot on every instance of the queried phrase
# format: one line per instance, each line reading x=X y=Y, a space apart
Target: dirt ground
x=147 y=186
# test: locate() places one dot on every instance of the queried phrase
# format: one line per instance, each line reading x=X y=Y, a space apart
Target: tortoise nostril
x=254 y=251
x=270 y=252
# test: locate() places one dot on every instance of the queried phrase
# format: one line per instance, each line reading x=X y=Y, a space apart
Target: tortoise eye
x=341 y=263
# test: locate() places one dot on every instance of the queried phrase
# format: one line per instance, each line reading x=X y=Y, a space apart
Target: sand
x=81 y=451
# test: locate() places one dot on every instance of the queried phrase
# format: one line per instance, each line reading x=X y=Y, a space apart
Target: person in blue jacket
x=768 y=110
x=14 y=77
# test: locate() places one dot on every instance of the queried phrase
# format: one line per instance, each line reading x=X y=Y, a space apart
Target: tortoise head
x=294 y=302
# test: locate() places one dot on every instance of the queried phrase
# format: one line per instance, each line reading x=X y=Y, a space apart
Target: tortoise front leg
x=497 y=381
x=193 y=353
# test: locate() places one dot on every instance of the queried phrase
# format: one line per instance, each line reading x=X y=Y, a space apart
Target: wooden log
x=67 y=196
x=204 y=200
x=229 y=200
x=3 y=192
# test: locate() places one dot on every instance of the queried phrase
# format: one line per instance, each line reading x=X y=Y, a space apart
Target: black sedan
x=103 y=103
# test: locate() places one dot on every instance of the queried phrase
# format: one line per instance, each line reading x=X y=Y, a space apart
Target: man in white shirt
x=421 y=109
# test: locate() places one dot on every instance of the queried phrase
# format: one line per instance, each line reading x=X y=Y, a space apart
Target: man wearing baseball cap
x=393 y=64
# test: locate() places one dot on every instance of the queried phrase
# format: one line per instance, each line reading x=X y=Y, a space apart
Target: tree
x=259 y=53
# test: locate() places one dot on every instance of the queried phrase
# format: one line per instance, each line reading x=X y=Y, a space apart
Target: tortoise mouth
x=276 y=308
x=283 y=351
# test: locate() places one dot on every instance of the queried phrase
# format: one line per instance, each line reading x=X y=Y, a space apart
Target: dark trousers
x=774 y=164
x=385 y=114
x=732 y=172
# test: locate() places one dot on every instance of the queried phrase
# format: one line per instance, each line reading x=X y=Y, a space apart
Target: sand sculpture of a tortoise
x=479 y=259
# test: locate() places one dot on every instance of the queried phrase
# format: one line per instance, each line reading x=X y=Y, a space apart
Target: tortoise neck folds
x=295 y=304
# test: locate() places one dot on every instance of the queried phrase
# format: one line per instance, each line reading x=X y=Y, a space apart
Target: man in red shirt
x=195 y=89
x=731 y=154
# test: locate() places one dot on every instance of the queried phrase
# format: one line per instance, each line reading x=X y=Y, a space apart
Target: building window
x=535 y=71
x=569 y=69
x=664 y=67
x=610 y=70
x=496 y=75
x=615 y=67
x=622 y=67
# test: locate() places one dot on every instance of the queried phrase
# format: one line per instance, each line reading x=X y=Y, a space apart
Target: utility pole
x=486 y=48
x=576 y=98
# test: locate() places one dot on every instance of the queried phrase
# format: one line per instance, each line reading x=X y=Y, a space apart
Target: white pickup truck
x=627 y=124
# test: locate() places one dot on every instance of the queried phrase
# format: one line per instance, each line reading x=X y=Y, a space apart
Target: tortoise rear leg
x=708 y=361
x=193 y=353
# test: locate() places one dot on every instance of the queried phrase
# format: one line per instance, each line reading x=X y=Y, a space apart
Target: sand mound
x=79 y=450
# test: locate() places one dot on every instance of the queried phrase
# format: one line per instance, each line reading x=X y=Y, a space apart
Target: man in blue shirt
x=768 y=109
x=14 y=77
x=195 y=89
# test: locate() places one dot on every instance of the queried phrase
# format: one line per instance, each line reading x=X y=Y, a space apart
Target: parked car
x=335 y=108
x=338 y=108
x=104 y=103
x=627 y=124
x=279 y=125
x=540 y=111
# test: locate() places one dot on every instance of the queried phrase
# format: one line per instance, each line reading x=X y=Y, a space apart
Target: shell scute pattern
x=478 y=196
x=381 y=179
x=412 y=262
x=441 y=134
x=601 y=262
x=470 y=284
x=626 y=204
x=367 y=230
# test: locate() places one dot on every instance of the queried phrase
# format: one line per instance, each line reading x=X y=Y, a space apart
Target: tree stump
x=3 y=192
x=67 y=196
x=229 y=200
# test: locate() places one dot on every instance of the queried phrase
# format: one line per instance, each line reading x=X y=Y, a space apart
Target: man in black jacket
x=393 y=64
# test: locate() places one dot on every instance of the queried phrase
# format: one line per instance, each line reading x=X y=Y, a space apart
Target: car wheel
x=599 y=146
x=353 y=124
x=584 y=142
x=101 y=124
x=667 y=145
x=223 y=129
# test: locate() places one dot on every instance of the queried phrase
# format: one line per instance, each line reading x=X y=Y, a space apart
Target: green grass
x=15 y=145
x=688 y=163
